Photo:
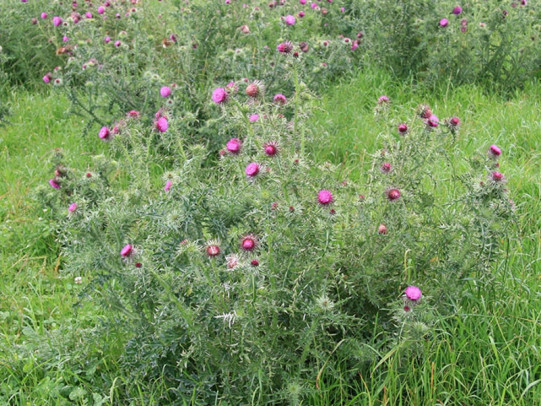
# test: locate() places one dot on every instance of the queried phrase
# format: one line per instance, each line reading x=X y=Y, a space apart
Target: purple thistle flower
x=219 y=95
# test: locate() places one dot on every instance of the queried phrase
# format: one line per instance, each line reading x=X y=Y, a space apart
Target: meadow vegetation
x=239 y=204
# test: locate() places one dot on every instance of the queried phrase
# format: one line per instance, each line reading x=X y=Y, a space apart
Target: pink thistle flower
x=393 y=194
x=249 y=243
x=161 y=124
x=252 y=169
x=168 y=185
x=126 y=251
x=325 y=197
x=107 y=39
x=290 y=20
x=497 y=177
x=354 y=46
x=444 y=22
x=72 y=207
x=403 y=128
x=219 y=95
x=44 y=16
x=302 y=1
x=270 y=148
x=254 y=262
x=104 y=133
x=382 y=229
x=280 y=99
x=47 y=78
x=57 y=21
x=234 y=145
x=433 y=121
x=165 y=91
x=118 y=43
x=253 y=118
x=413 y=293
x=457 y=10
x=494 y=151
x=285 y=47
x=133 y=114
x=101 y=10
x=54 y=183
x=386 y=167
x=383 y=99
x=213 y=249
x=301 y=14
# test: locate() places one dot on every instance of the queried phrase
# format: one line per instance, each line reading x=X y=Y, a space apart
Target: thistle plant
x=487 y=42
x=258 y=262
x=113 y=60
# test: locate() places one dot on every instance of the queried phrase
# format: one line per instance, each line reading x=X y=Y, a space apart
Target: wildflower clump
x=258 y=248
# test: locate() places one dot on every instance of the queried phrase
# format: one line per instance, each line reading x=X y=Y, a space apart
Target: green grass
x=36 y=304
x=485 y=352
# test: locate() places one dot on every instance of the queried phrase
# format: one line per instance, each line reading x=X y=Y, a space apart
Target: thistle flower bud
x=393 y=194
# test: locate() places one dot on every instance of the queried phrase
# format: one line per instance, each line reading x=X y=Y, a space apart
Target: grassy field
x=486 y=353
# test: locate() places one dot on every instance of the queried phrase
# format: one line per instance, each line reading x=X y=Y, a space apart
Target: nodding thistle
x=494 y=151
x=249 y=242
x=126 y=251
x=325 y=197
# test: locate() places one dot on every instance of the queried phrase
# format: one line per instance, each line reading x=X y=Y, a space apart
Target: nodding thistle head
x=249 y=242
